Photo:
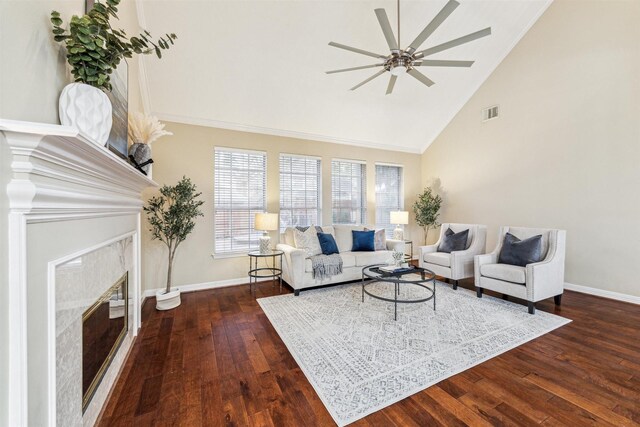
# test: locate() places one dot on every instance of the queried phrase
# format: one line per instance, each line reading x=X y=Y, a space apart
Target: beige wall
x=33 y=69
x=565 y=151
x=190 y=152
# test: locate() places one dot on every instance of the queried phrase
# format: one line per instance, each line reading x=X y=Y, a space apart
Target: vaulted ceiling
x=260 y=66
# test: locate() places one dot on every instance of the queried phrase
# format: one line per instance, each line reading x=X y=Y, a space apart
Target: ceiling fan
x=402 y=61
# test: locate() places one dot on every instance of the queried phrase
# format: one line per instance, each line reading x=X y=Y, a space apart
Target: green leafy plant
x=94 y=48
x=427 y=210
x=172 y=215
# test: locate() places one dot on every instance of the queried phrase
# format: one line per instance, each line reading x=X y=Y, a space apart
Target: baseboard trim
x=602 y=293
x=203 y=286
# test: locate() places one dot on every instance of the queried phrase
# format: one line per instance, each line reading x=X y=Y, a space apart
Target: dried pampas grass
x=145 y=129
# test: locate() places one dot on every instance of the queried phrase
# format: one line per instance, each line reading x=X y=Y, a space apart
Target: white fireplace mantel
x=56 y=174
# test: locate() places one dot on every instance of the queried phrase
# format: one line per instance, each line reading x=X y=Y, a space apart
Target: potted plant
x=143 y=130
x=427 y=210
x=171 y=216
x=94 y=50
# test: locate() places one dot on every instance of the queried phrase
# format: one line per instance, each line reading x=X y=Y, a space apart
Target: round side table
x=273 y=272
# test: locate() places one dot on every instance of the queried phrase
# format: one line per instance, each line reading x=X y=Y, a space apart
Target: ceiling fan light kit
x=405 y=61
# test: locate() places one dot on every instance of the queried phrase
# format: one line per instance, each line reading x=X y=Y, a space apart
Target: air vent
x=489 y=113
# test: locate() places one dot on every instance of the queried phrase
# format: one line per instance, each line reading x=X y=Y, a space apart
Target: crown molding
x=199 y=121
x=502 y=57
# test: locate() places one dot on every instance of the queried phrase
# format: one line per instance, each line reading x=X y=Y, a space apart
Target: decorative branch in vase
x=143 y=131
x=94 y=50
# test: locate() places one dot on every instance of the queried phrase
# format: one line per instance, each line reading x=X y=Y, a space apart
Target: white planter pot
x=88 y=109
x=167 y=301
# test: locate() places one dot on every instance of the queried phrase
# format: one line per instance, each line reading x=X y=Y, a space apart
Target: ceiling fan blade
x=453 y=43
x=354 y=68
x=442 y=63
x=369 y=79
x=433 y=25
x=419 y=76
x=392 y=82
x=386 y=29
x=356 y=50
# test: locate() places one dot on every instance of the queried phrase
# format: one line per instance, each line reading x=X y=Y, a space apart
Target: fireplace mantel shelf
x=57 y=169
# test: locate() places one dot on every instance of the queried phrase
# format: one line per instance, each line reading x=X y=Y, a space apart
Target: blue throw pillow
x=363 y=241
x=328 y=244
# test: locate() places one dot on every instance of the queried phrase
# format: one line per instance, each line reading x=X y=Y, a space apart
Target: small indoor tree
x=172 y=215
x=427 y=210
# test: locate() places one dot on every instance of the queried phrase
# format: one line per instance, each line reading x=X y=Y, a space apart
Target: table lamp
x=266 y=222
x=399 y=218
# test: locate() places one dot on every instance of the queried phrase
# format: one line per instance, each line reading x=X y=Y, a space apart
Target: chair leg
x=532 y=307
x=558 y=299
x=455 y=285
x=296 y=292
x=479 y=292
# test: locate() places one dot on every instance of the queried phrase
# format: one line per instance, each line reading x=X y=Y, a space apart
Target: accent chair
x=534 y=282
x=458 y=264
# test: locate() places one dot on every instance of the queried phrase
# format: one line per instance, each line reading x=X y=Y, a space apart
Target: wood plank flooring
x=217 y=361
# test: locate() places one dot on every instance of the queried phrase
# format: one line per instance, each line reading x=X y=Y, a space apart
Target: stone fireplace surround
x=69 y=203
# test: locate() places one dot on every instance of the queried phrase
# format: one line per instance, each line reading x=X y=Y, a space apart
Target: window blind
x=348 y=192
x=240 y=191
x=389 y=195
x=300 y=191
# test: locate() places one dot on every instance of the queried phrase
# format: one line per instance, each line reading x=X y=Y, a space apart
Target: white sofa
x=296 y=266
x=534 y=282
x=458 y=264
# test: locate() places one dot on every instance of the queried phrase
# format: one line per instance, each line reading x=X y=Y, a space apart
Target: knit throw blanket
x=325 y=266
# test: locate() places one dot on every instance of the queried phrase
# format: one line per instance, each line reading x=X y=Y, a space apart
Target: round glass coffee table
x=376 y=275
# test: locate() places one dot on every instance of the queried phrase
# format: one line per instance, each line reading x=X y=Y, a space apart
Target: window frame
x=388 y=226
x=363 y=191
x=218 y=253
x=318 y=207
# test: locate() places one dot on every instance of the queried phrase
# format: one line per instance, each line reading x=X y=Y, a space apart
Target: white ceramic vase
x=88 y=109
x=167 y=301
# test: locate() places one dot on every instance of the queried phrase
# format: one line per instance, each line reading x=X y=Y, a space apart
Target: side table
x=408 y=257
x=273 y=272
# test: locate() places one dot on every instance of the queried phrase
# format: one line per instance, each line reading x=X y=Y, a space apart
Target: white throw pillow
x=308 y=241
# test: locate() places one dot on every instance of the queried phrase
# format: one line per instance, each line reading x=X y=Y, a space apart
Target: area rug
x=359 y=360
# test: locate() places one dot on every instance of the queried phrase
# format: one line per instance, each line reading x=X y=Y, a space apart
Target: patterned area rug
x=359 y=360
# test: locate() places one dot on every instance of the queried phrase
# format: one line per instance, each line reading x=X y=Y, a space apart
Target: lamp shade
x=266 y=221
x=399 y=217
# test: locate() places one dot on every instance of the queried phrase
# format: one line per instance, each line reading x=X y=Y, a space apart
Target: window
x=388 y=195
x=240 y=192
x=300 y=191
x=349 y=192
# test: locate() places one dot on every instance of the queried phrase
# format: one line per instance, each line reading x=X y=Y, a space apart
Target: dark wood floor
x=216 y=360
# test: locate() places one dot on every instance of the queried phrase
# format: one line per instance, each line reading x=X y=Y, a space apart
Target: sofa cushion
x=520 y=252
x=506 y=272
x=343 y=236
x=327 y=244
x=438 y=258
x=348 y=260
x=452 y=241
x=363 y=241
x=367 y=258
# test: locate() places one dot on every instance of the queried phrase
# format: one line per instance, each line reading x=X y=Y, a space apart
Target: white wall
x=565 y=151
x=33 y=69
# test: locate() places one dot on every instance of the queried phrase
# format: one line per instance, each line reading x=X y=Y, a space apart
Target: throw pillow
x=452 y=242
x=328 y=244
x=363 y=241
x=520 y=252
x=379 y=240
x=308 y=240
